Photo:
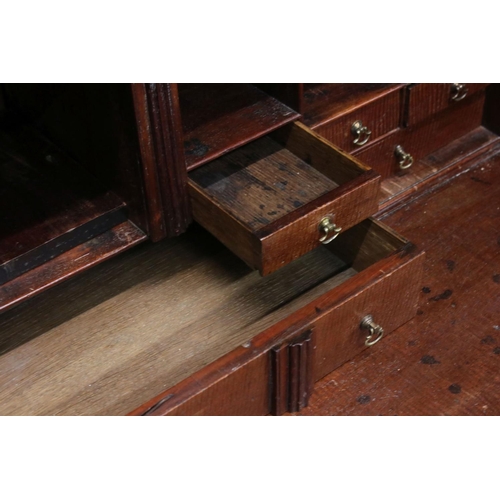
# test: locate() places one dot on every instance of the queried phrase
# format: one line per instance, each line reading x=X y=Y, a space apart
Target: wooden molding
x=291 y=374
x=164 y=167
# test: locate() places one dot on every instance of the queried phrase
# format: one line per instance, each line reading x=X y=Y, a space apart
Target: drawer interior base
x=261 y=182
x=124 y=333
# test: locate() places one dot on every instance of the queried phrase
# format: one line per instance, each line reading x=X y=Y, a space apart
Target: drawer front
x=275 y=372
x=365 y=125
x=423 y=139
x=277 y=198
x=425 y=99
x=390 y=301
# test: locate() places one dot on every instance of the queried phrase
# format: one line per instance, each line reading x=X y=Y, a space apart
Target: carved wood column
x=162 y=152
x=292 y=377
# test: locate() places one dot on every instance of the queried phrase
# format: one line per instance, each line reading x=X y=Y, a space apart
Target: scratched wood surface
x=219 y=117
x=127 y=330
x=447 y=360
x=261 y=182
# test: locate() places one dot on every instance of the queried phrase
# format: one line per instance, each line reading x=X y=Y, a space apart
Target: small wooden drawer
x=425 y=99
x=353 y=130
x=266 y=200
x=378 y=276
x=420 y=140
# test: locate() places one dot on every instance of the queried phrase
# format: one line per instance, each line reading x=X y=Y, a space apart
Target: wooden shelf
x=323 y=101
x=48 y=203
x=69 y=264
x=218 y=118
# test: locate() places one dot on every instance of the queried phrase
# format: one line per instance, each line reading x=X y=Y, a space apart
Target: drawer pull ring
x=360 y=132
x=328 y=230
x=405 y=159
x=458 y=91
x=376 y=332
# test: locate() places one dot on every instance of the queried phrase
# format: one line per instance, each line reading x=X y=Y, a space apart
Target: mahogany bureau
x=286 y=273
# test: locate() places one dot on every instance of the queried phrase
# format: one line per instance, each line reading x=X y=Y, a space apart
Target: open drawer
x=372 y=291
x=185 y=327
x=281 y=196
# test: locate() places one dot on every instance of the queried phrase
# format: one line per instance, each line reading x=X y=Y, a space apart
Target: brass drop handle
x=458 y=91
x=360 y=132
x=328 y=230
x=405 y=159
x=375 y=332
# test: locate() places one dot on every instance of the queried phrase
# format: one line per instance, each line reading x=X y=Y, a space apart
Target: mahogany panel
x=160 y=138
x=425 y=137
x=452 y=159
x=324 y=101
x=391 y=301
x=70 y=263
x=266 y=200
x=115 y=338
x=380 y=116
x=292 y=373
x=218 y=118
x=426 y=99
x=211 y=391
x=445 y=361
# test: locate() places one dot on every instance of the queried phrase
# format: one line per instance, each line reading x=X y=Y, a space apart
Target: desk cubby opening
x=220 y=117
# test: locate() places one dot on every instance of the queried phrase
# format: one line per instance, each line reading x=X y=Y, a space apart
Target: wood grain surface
x=130 y=328
x=324 y=101
x=436 y=167
x=218 y=118
x=380 y=116
x=243 y=382
x=261 y=182
x=265 y=200
x=425 y=137
x=445 y=361
x=163 y=163
x=69 y=264
x=426 y=99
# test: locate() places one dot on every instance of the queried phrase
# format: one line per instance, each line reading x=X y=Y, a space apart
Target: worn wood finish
x=445 y=361
x=68 y=264
x=261 y=182
x=291 y=373
x=424 y=138
x=319 y=152
x=435 y=168
x=165 y=178
x=423 y=100
x=265 y=201
x=215 y=389
x=324 y=101
x=380 y=116
x=218 y=118
x=124 y=332
x=48 y=203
